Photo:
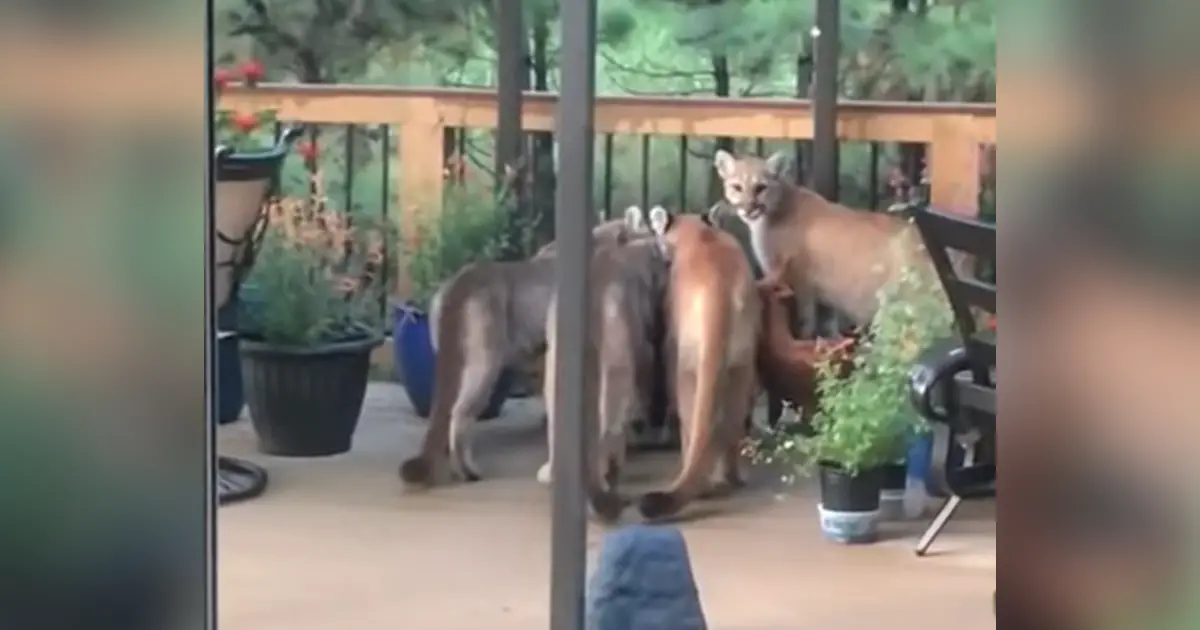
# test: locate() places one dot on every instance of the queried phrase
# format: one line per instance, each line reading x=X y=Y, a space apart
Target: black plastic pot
x=892 y=480
x=305 y=402
x=893 y=476
x=843 y=492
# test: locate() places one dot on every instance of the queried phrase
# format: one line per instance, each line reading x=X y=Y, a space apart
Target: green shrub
x=474 y=225
x=318 y=276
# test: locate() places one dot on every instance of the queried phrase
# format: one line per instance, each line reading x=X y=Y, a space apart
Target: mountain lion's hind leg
x=545 y=475
x=616 y=413
x=478 y=381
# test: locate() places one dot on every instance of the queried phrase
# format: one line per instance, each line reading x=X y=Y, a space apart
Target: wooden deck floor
x=337 y=543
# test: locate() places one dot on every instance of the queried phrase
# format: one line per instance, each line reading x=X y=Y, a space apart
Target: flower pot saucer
x=238 y=480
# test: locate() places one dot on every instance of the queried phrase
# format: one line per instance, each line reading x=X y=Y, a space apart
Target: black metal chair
x=954 y=386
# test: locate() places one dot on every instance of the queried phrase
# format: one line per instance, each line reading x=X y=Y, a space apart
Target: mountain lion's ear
x=635 y=220
x=660 y=220
x=725 y=163
x=779 y=165
x=714 y=214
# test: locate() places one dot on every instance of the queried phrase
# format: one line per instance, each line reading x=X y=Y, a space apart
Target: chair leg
x=774 y=410
x=939 y=522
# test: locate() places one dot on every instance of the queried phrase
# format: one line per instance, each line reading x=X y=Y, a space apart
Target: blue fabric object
x=644 y=582
x=920 y=456
x=414 y=356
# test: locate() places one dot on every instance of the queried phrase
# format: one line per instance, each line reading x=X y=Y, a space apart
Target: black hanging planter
x=849 y=506
x=242 y=182
x=305 y=402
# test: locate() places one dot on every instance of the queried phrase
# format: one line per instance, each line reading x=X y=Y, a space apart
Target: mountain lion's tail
x=699 y=454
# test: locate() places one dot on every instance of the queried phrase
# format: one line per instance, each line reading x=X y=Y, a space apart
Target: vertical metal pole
x=573 y=226
x=512 y=74
x=824 y=94
x=825 y=140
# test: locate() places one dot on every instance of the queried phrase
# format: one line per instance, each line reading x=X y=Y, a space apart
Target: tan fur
x=626 y=290
x=713 y=328
x=788 y=367
x=488 y=316
x=842 y=256
x=612 y=232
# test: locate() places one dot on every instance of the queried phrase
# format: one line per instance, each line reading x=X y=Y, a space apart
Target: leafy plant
x=475 y=225
x=318 y=277
x=864 y=418
x=242 y=131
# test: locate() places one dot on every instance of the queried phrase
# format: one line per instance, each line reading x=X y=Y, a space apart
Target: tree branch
x=672 y=74
x=264 y=27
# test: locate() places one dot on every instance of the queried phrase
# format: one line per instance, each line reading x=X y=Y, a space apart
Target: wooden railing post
x=420 y=177
x=954 y=165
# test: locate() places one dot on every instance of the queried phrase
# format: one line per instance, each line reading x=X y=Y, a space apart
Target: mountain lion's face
x=753 y=185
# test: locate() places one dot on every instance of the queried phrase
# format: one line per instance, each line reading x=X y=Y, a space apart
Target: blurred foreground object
x=644 y=581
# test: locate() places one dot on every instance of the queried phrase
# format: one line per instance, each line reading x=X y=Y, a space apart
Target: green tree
x=324 y=40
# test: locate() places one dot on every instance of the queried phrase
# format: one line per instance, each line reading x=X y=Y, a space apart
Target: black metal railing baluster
x=385 y=154
x=348 y=176
x=873 y=177
x=460 y=172
x=608 y=175
x=645 y=172
x=274 y=186
x=683 y=172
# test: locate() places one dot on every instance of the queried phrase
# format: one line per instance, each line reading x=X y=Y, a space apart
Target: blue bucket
x=414 y=359
x=230 y=398
x=920 y=460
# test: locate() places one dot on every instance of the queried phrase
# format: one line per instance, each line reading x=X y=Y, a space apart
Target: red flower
x=245 y=121
x=992 y=323
x=222 y=77
x=252 y=71
x=308 y=150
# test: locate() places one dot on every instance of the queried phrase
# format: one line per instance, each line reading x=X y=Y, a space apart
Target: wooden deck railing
x=954 y=132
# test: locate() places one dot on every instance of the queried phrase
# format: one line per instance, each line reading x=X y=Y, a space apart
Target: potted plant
x=864 y=422
x=471 y=227
x=317 y=316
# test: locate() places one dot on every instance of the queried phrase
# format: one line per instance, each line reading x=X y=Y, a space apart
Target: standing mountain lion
x=713 y=313
x=488 y=316
x=627 y=286
x=840 y=256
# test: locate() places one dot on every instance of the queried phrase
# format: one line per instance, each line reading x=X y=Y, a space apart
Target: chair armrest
x=929 y=375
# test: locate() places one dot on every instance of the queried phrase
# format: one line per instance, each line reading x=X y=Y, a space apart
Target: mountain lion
x=627 y=287
x=713 y=322
x=839 y=255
